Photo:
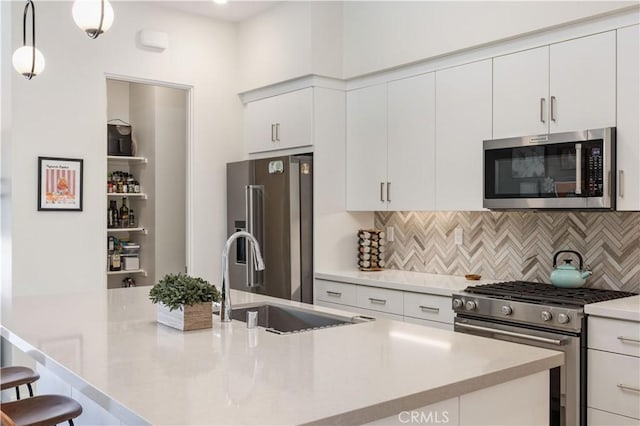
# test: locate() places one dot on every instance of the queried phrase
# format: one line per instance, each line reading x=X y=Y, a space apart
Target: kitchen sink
x=282 y=319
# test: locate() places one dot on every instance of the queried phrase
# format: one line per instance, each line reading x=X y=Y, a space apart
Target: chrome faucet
x=225 y=308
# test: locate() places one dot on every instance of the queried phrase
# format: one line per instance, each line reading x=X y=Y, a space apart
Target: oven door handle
x=556 y=342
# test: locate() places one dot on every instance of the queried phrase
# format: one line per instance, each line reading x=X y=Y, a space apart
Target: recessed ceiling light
x=220 y=1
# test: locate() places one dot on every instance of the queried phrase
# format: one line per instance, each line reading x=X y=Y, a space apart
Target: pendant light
x=93 y=16
x=28 y=60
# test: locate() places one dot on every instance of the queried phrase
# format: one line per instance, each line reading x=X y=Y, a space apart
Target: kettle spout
x=585 y=274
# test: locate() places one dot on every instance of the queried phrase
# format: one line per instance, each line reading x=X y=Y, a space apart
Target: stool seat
x=10 y=377
x=42 y=410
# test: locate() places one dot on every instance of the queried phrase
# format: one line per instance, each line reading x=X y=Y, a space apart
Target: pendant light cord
x=99 y=30
x=33 y=34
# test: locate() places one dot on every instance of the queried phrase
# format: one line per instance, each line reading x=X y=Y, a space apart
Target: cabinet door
x=463 y=121
x=521 y=93
x=280 y=122
x=367 y=148
x=411 y=143
x=583 y=83
x=628 y=129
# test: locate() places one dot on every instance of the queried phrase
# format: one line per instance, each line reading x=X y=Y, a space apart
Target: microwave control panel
x=594 y=175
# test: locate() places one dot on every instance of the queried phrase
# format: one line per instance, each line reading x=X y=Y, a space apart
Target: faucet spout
x=225 y=308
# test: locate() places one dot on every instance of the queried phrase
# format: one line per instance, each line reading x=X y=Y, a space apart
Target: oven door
x=565 y=381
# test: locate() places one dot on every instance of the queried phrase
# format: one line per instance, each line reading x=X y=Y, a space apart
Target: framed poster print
x=59 y=184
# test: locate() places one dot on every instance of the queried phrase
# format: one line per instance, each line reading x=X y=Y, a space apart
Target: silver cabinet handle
x=621 y=183
x=578 y=168
x=553 y=115
x=377 y=301
x=382 y=191
x=628 y=339
x=429 y=309
x=334 y=293
x=389 y=191
x=273 y=138
x=511 y=334
x=628 y=388
x=542 y=100
x=277 y=132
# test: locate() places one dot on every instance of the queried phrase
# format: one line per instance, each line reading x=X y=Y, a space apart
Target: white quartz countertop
x=108 y=345
x=443 y=285
x=627 y=308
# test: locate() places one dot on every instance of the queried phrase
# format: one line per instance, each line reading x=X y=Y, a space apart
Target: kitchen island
x=108 y=347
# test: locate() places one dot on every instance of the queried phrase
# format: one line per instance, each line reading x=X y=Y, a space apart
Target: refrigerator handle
x=253 y=206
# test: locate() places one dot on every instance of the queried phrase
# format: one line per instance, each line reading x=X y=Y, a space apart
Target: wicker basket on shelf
x=371 y=247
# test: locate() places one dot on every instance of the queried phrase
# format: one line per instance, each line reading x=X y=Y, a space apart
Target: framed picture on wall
x=59 y=184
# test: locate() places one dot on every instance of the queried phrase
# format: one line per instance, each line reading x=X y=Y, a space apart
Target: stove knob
x=457 y=303
x=506 y=310
x=546 y=316
x=563 y=318
x=471 y=305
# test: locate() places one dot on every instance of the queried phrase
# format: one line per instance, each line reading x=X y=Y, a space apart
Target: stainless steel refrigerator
x=272 y=198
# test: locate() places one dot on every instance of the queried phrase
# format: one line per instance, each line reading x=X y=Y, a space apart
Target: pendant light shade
x=93 y=16
x=22 y=61
x=28 y=60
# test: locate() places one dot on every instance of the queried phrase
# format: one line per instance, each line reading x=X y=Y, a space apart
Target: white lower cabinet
x=603 y=418
x=416 y=308
x=613 y=374
x=522 y=401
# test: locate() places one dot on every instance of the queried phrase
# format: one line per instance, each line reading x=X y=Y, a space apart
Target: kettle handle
x=555 y=257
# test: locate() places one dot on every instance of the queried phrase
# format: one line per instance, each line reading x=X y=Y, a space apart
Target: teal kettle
x=567 y=275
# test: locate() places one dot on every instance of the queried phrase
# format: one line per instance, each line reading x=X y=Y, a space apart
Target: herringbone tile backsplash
x=516 y=245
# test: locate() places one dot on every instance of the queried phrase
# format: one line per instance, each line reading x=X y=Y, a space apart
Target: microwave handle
x=578 y=168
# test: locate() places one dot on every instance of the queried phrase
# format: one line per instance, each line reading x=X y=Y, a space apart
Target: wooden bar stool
x=13 y=377
x=41 y=410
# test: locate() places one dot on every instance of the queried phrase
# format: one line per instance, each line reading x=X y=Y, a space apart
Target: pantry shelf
x=120 y=158
x=127 y=194
x=139 y=229
x=134 y=271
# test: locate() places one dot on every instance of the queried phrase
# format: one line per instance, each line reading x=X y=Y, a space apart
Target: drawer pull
x=334 y=293
x=628 y=388
x=628 y=339
x=377 y=301
x=429 y=309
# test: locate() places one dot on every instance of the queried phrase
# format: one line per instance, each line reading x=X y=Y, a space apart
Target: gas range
x=531 y=303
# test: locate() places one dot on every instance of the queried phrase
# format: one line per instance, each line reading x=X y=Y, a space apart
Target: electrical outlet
x=458 y=236
x=390 y=235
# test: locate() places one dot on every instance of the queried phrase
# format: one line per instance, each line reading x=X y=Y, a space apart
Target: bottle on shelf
x=113 y=220
x=132 y=219
x=115 y=263
x=124 y=213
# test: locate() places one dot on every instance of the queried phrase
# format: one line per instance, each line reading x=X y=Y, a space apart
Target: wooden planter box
x=193 y=317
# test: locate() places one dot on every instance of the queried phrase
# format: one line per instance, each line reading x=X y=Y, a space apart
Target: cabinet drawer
x=614 y=383
x=336 y=292
x=614 y=335
x=427 y=323
x=602 y=418
x=428 y=306
x=379 y=299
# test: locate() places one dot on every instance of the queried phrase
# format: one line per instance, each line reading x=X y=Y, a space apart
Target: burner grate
x=546 y=293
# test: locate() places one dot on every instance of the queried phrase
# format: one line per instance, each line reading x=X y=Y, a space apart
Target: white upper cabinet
x=628 y=128
x=582 y=85
x=463 y=121
x=367 y=148
x=564 y=87
x=520 y=93
x=280 y=122
x=411 y=143
x=391 y=144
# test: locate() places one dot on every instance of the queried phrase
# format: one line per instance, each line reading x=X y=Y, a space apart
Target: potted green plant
x=184 y=302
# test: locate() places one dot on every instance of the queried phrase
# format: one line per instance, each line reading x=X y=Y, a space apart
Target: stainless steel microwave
x=574 y=170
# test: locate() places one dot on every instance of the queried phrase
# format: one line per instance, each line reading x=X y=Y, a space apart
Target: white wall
x=386 y=34
x=118 y=94
x=290 y=40
x=63 y=113
x=5 y=150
